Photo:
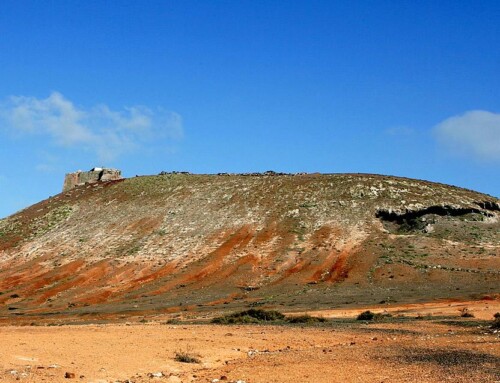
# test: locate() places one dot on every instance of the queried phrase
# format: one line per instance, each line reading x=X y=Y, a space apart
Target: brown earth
x=439 y=347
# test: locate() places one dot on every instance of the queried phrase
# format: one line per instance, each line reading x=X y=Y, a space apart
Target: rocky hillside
x=181 y=242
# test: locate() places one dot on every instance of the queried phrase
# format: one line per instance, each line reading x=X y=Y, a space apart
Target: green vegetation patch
x=250 y=316
x=50 y=220
x=368 y=315
x=256 y=316
x=496 y=322
x=9 y=227
x=307 y=319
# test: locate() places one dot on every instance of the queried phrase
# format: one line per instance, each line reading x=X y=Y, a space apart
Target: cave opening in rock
x=418 y=220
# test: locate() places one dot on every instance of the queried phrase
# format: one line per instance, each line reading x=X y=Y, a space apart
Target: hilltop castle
x=93 y=175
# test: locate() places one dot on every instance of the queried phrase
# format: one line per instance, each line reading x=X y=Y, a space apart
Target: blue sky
x=393 y=87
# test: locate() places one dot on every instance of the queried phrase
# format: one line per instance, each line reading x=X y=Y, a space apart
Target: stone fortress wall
x=93 y=175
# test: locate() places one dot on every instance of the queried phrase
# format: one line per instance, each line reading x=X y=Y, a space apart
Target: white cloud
x=475 y=134
x=106 y=132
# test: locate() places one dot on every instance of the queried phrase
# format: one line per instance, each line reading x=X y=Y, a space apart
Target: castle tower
x=94 y=175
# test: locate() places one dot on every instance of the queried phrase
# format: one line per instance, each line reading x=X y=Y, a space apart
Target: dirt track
x=397 y=350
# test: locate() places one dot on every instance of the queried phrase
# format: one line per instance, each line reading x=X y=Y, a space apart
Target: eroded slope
x=197 y=242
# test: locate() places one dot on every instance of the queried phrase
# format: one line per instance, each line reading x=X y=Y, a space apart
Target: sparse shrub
x=250 y=316
x=465 y=313
x=496 y=322
x=257 y=316
x=231 y=319
x=366 y=315
x=173 y=321
x=264 y=315
x=186 y=357
x=305 y=319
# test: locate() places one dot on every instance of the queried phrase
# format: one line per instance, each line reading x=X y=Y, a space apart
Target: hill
x=201 y=243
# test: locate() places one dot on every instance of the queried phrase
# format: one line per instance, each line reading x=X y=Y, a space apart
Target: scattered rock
x=155 y=374
x=70 y=375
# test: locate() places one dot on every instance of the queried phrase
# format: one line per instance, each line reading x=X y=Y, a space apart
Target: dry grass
x=187 y=356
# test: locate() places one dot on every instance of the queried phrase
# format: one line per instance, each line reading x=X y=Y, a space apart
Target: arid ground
x=419 y=343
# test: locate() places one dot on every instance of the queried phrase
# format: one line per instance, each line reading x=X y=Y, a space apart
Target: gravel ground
x=434 y=349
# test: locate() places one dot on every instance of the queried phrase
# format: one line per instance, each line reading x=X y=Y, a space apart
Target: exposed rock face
x=94 y=175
